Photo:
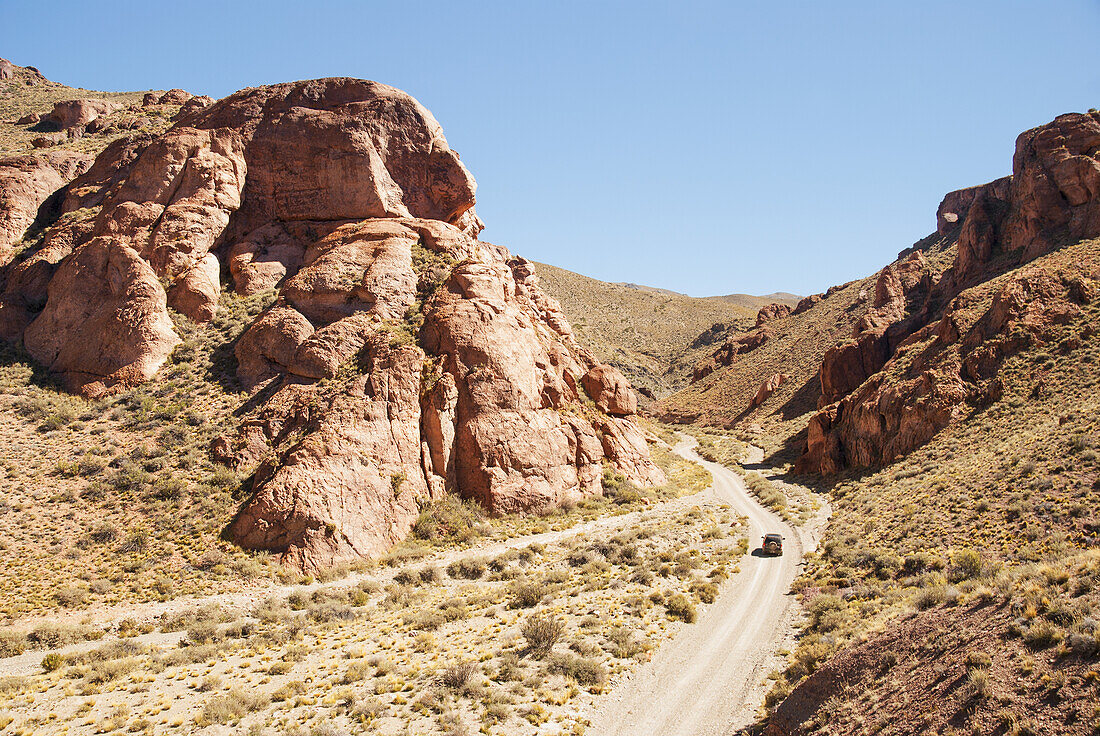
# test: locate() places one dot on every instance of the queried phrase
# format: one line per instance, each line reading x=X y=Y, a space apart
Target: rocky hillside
x=397 y=358
x=653 y=336
x=947 y=405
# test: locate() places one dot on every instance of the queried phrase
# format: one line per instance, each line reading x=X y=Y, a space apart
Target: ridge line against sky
x=702 y=147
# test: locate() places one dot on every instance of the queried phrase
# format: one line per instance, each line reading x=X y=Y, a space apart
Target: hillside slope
x=652 y=335
x=948 y=405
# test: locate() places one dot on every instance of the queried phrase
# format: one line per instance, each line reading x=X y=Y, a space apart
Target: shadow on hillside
x=803 y=400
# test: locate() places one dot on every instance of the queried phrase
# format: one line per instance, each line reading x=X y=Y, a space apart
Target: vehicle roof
x=773 y=535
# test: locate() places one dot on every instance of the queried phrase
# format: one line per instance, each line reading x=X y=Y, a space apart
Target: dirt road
x=711 y=678
x=242 y=602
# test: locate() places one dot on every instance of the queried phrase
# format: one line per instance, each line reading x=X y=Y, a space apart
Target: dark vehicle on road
x=772 y=544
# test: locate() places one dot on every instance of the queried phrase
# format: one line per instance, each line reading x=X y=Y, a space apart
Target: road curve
x=708 y=680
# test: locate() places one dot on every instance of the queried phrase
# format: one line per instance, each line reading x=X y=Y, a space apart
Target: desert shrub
x=625 y=644
x=470 y=568
x=705 y=592
x=978 y=683
x=13 y=643
x=585 y=671
x=679 y=606
x=52 y=661
x=458 y=676
x=966 y=565
x=449 y=519
x=111 y=669
x=542 y=632
x=1042 y=634
x=978 y=660
x=767 y=492
x=232 y=706
x=54 y=636
x=425 y=620
x=525 y=594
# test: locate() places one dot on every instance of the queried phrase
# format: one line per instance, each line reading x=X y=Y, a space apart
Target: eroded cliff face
x=920 y=357
x=402 y=358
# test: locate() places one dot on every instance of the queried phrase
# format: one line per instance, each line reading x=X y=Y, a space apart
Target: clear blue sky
x=706 y=147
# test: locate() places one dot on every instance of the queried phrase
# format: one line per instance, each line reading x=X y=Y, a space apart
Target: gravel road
x=712 y=676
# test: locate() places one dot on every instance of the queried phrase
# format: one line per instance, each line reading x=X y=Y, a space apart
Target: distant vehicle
x=772 y=544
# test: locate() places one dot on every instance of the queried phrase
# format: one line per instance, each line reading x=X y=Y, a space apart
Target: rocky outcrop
x=896 y=411
x=807 y=303
x=26 y=182
x=78 y=113
x=900 y=300
x=1052 y=196
x=955 y=206
x=871 y=412
x=772 y=312
x=610 y=390
x=402 y=357
x=105 y=323
x=7 y=69
x=730 y=350
x=485 y=403
x=767 y=388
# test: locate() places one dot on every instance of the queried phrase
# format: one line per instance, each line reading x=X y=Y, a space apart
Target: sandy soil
x=711 y=678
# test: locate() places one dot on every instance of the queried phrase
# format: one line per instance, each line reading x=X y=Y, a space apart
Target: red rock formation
x=955 y=206
x=445 y=366
x=728 y=352
x=78 y=113
x=894 y=412
x=1053 y=195
x=767 y=388
x=771 y=312
x=806 y=303
x=901 y=293
x=610 y=390
x=25 y=183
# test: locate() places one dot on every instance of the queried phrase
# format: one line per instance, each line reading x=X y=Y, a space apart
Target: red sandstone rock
x=78 y=113
x=733 y=347
x=610 y=390
x=1053 y=194
x=806 y=303
x=772 y=312
x=174 y=97
x=25 y=183
x=7 y=69
x=446 y=367
x=105 y=324
x=767 y=388
x=31 y=118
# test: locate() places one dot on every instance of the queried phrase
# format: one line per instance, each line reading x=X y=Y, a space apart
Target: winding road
x=711 y=677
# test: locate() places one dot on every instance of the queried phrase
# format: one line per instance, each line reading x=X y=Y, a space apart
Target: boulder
x=806 y=303
x=78 y=113
x=7 y=69
x=767 y=388
x=105 y=325
x=31 y=118
x=610 y=390
x=771 y=312
x=174 y=97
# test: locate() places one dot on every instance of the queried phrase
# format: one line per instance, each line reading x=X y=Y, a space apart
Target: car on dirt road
x=772 y=544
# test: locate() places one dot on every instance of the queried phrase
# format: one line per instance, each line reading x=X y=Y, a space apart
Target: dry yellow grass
x=654 y=337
